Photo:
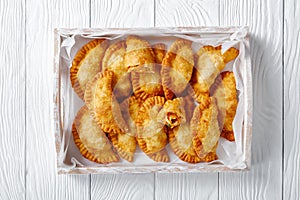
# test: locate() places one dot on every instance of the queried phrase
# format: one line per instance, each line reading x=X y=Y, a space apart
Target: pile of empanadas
x=138 y=94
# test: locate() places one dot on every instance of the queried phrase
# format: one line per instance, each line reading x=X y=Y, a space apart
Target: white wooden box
x=66 y=102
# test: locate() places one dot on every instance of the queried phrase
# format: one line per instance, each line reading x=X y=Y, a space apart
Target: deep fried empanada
x=205 y=130
x=125 y=143
x=86 y=64
x=114 y=61
x=104 y=107
x=159 y=50
x=173 y=113
x=210 y=61
x=138 y=53
x=151 y=134
x=226 y=96
x=177 y=111
x=181 y=141
x=91 y=140
x=146 y=81
x=177 y=68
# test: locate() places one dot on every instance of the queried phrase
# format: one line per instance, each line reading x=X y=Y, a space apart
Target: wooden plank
x=265 y=21
x=12 y=100
x=41 y=180
x=186 y=13
x=291 y=182
x=118 y=13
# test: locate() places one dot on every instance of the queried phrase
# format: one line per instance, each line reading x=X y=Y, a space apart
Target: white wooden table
x=27 y=151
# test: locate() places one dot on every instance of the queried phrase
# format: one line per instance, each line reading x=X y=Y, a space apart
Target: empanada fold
x=79 y=57
x=106 y=157
x=119 y=124
x=183 y=155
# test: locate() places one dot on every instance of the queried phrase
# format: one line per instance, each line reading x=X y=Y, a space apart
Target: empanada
x=210 y=61
x=114 y=60
x=177 y=68
x=125 y=143
x=173 y=113
x=181 y=141
x=146 y=81
x=104 y=107
x=151 y=134
x=205 y=131
x=138 y=53
x=159 y=50
x=226 y=96
x=91 y=140
x=86 y=64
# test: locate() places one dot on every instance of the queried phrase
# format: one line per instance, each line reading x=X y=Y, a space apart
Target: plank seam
x=154 y=13
x=283 y=65
x=154 y=181
x=25 y=65
x=90 y=13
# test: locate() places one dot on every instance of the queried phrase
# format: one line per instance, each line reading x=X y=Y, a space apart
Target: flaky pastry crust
x=159 y=51
x=210 y=61
x=226 y=96
x=114 y=60
x=138 y=53
x=103 y=105
x=86 y=64
x=151 y=135
x=91 y=140
x=205 y=130
x=177 y=68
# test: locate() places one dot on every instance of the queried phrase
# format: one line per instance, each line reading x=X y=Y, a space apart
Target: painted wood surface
x=291 y=171
x=41 y=179
x=27 y=151
x=264 y=18
x=12 y=100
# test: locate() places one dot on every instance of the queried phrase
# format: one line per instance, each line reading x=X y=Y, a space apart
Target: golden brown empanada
x=86 y=64
x=125 y=143
x=104 y=107
x=173 y=113
x=159 y=50
x=210 y=61
x=226 y=96
x=114 y=60
x=151 y=134
x=181 y=141
x=205 y=131
x=146 y=81
x=177 y=68
x=138 y=53
x=91 y=140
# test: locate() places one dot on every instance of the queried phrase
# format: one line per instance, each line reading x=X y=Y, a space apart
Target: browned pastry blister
x=205 y=131
x=210 y=61
x=86 y=64
x=177 y=68
x=159 y=50
x=104 y=107
x=138 y=53
x=226 y=96
x=181 y=141
x=91 y=140
x=114 y=60
x=151 y=134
